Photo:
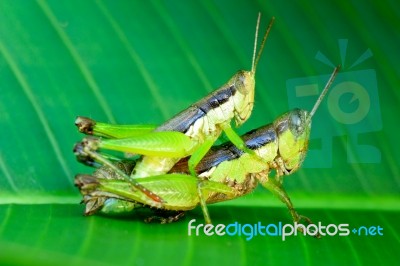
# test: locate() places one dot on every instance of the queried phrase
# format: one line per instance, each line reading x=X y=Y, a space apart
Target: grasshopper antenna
x=256 y=59
x=323 y=93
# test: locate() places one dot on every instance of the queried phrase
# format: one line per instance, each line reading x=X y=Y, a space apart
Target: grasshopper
x=190 y=133
x=227 y=171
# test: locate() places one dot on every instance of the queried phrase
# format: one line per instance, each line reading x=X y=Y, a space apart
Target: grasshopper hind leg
x=89 y=126
x=86 y=149
x=203 y=203
x=97 y=201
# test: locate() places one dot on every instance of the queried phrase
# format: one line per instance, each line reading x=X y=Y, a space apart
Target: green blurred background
x=142 y=62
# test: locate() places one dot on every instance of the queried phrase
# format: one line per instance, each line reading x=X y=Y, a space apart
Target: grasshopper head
x=244 y=81
x=243 y=99
x=293 y=129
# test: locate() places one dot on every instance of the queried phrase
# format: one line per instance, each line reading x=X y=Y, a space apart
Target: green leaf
x=140 y=62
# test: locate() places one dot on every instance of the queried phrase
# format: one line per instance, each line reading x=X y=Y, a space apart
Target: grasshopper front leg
x=274 y=184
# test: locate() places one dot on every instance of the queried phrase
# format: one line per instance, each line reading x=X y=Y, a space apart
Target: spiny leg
x=205 y=187
x=116 y=206
x=279 y=165
x=272 y=185
x=84 y=150
x=87 y=184
x=96 y=199
x=165 y=217
x=180 y=191
x=203 y=204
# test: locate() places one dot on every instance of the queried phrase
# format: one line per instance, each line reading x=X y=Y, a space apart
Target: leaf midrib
x=326 y=202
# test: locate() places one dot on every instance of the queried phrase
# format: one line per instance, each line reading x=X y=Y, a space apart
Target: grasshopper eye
x=244 y=82
x=297 y=121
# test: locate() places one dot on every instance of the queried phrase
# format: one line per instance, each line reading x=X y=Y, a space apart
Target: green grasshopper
x=190 y=133
x=227 y=171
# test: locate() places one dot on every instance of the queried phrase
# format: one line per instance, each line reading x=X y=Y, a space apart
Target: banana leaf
x=141 y=62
